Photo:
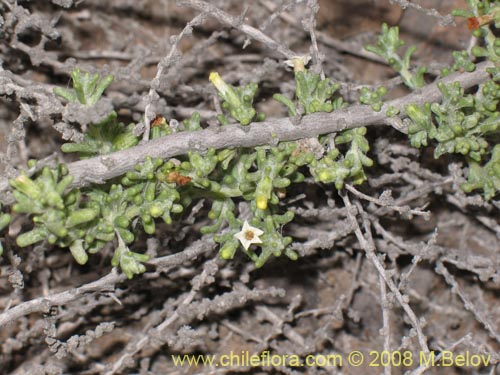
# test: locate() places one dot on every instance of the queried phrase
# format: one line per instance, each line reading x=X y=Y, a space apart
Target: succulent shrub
x=85 y=220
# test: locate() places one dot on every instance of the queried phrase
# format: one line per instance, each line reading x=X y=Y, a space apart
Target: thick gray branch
x=102 y=168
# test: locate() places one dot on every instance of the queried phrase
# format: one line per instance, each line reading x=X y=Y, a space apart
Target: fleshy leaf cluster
x=374 y=98
x=463 y=120
x=238 y=101
x=87 y=220
x=87 y=88
x=387 y=47
x=461 y=124
x=103 y=138
x=487 y=177
x=480 y=15
x=106 y=136
x=259 y=176
x=336 y=168
x=313 y=94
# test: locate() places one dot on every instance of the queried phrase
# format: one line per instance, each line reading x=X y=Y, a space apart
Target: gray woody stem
x=102 y=168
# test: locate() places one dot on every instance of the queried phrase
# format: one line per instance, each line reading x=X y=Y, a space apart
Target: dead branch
x=105 y=284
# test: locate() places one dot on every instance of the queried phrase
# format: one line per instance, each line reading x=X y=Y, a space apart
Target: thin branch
x=386 y=320
x=446 y=20
x=424 y=366
x=102 y=168
x=310 y=27
x=368 y=245
x=389 y=203
x=137 y=345
x=164 y=64
x=347 y=47
x=455 y=288
x=405 y=277
x=104 y=284
x=237 y=23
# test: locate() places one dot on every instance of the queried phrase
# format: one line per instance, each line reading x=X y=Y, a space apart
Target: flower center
x=249 y=235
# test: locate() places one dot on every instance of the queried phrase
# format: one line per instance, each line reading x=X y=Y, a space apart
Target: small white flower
x=248 y=235
x=298 y=63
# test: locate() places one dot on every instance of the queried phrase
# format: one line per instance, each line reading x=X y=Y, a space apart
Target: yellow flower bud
x=261 y=202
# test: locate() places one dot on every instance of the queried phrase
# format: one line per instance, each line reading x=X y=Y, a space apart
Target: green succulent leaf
x=104 y=138
x=388 y=46
x=487 y=177
x=129 y=262
x=373 y=97
x=87 y=88
x=238 y=101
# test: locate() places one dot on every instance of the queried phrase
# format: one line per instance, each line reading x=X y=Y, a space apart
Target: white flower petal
x=242 y=236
